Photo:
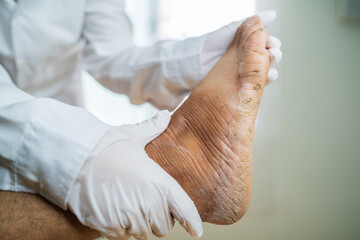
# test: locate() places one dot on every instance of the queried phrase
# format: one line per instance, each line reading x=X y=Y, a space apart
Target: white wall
x=318 y=179
x=307 y=144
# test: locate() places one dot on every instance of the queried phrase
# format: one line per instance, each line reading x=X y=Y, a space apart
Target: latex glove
x=121 y=192
x=216 y=43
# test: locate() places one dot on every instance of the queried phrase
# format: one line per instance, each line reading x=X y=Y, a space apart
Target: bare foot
x=207 y=147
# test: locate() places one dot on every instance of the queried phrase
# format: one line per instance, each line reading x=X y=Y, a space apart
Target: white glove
x=121 y=192
x=216 y=43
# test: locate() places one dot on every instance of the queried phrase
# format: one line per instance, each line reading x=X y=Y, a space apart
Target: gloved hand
x=121 y=192
x=216 y=43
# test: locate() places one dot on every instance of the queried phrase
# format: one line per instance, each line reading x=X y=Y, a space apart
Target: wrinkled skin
x=207 y=147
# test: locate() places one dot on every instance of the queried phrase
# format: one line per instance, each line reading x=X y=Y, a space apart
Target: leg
x=207 y=147
x=29 y=216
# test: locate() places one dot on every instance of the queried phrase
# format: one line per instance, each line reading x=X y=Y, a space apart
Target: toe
x=252 y=34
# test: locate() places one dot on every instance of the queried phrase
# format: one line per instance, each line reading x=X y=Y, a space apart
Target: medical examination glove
x=121 y=192
x=216 y=43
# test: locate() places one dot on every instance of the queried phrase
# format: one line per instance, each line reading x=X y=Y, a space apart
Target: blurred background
x=307 y=141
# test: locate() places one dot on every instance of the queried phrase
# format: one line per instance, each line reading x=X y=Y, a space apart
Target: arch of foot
x=207 y=147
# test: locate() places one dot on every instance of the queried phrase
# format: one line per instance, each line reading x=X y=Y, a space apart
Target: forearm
x=161 y=74
x=32 y=129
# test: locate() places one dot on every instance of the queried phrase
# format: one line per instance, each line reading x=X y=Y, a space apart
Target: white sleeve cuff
x=55 y=145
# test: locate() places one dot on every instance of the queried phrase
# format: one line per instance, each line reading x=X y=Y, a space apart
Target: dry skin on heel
x=207 y=147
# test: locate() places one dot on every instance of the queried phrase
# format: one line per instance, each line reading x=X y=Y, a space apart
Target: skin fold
x=207 y=147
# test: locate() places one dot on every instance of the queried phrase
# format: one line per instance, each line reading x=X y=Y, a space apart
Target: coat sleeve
x=161 y=74
x=43 y=142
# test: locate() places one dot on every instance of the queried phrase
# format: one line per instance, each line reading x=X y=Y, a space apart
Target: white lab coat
x=44 y=45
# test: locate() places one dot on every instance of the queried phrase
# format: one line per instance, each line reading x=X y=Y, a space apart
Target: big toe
x=251 y=36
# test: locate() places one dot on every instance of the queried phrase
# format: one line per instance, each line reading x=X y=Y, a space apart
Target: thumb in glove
x=216 y=43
